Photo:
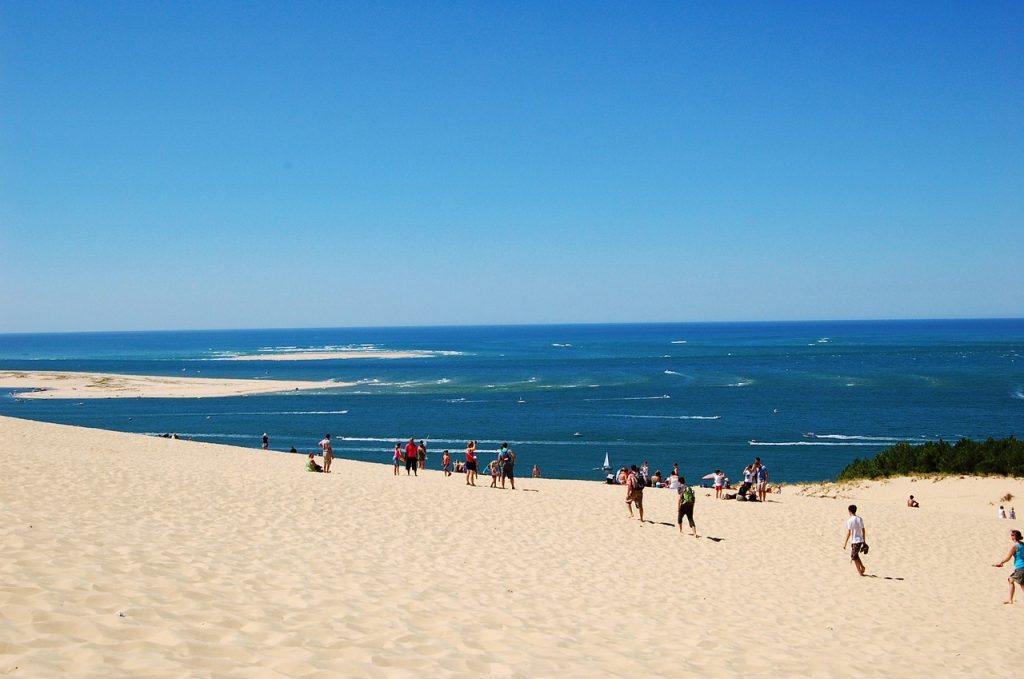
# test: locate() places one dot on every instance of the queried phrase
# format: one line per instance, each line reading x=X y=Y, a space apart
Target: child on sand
x=446 y=463
x=1017 y=554
x=397 y=457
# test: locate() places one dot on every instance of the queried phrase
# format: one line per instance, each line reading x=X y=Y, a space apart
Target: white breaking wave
x=668 y=417
x=811 y=443
x=267 y=412
x=631 y=398
x=853 y=437
x=678 y=342
x=1019 y=393
x=556 y=344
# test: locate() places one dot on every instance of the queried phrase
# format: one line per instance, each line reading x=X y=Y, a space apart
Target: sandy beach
x=72 y=385
x=126 y=555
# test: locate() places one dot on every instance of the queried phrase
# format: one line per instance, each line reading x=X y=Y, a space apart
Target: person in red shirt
x=411 y=450
x=446 y=463
x=471 y=464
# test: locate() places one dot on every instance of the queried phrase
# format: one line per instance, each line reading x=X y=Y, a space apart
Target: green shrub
x=1002 y=457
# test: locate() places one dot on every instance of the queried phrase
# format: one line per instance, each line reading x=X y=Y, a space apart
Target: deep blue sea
x=805 y=397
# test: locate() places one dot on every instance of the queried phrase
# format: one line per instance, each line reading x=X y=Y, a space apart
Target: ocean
x=806 y=397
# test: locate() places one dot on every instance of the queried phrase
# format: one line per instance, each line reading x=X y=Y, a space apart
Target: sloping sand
x=52 y=385
x=125 y=555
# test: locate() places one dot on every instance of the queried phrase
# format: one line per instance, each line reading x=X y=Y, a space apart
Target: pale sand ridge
x=231 y=562
x=72 y=385
x=323 y=355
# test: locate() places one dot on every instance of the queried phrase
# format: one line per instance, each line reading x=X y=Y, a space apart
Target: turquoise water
x=805 y=397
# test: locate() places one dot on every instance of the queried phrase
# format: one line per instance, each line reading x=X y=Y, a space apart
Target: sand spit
x=323 y=355
x=71 y=385
x=133 y=556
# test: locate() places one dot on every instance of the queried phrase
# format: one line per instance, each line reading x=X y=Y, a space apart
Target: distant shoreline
x=325 y=355
x=39 y=384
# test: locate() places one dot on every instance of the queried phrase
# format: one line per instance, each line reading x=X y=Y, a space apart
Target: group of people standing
x=414 y=454
x=501 y=468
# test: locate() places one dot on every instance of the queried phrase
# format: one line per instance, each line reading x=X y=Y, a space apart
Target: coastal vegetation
x=1000 y=457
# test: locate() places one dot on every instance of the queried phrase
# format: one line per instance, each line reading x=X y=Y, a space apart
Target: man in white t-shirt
x=855 y=531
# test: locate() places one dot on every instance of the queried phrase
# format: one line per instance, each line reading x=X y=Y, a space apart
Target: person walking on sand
x=536 y=471
x=396 y=457
x=471 y=464
x=1002 y=512
x=508 y=463
x=635 y=492
x=1013 y=514
x=855 y=530
x=1017 y=554
x=328 y=452
x=266 y=440
x=421 y=455
x=446 y=463
x=686 y=500
x=411 y=453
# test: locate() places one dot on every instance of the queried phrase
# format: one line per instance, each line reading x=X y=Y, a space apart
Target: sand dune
x=127 y=555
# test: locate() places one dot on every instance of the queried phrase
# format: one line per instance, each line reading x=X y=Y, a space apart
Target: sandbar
x=41 y=384
x=128 y=555
x=324 y=355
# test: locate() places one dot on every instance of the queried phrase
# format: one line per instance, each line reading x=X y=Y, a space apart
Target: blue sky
x=219 y=165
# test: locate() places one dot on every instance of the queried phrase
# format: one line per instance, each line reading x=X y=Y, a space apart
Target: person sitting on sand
x=673 y=480
x=1017 y=554
x=911 y=502
x=622 y=477
x=656 y=479
x=460 y=467
x=312 y=466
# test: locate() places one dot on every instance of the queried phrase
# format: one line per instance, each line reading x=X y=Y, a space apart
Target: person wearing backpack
x=686 y=500
x=508 y=463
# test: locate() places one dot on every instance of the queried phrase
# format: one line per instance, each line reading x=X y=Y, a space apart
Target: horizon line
x=515 y=325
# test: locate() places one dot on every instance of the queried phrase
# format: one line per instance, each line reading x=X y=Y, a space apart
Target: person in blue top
x=762 y=480
x=1017 y=554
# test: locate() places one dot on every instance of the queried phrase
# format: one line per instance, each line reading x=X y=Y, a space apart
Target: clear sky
x=248 y=164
